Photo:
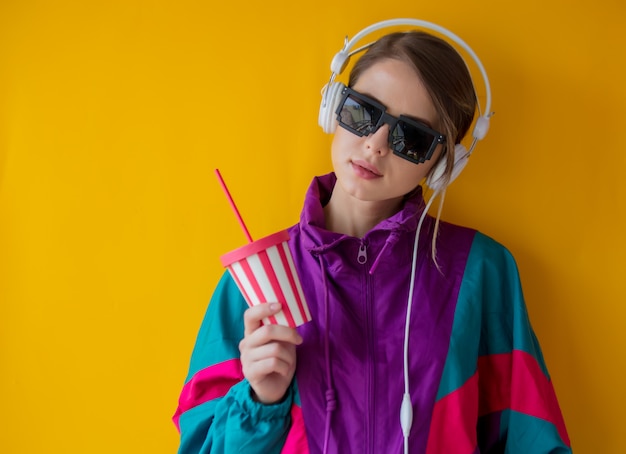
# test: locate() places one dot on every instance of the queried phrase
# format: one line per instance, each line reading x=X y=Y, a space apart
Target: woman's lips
x=365 y=170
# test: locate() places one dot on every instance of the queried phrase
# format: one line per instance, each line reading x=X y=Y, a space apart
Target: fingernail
x=274 y=307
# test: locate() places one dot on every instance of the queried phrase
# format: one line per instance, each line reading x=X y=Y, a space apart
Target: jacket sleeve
x=518 y=408
x=495 y=394
x=216 y=413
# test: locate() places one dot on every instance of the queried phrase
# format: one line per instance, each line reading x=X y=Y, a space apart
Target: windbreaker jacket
x=477 y=378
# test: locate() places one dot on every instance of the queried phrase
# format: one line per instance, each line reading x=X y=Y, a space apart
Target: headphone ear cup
x=330 y=100
x=436 y=179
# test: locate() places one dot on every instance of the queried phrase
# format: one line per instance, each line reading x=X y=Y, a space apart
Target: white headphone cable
x=406 y=409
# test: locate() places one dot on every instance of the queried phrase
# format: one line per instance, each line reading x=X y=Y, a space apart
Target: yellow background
x=114 y=114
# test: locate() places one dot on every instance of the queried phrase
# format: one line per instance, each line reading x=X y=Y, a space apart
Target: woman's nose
x=378 y=142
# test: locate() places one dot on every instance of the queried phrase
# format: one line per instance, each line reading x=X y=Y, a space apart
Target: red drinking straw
x=233 y=206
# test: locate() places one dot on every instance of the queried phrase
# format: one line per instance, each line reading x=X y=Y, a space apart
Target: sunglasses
x=408 y=139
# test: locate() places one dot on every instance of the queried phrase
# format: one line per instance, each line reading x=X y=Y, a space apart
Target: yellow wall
x=114 y=114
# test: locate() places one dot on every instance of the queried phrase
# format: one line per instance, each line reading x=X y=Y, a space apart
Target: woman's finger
x=253 y=315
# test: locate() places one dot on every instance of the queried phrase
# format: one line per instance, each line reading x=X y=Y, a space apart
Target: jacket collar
x=312 y=219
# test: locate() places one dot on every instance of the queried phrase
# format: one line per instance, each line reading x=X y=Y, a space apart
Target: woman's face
x=365 y=166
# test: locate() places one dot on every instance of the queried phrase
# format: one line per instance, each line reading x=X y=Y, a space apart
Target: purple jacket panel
x=362 y=315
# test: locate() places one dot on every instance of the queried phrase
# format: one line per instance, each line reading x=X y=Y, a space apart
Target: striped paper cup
x=264 y=272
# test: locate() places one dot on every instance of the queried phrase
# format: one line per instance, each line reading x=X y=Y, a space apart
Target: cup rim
x=254 y=248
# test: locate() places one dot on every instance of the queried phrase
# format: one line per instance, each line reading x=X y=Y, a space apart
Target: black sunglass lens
x=358 y=116
x=411 y=141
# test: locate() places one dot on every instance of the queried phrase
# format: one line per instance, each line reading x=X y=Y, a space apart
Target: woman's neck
x=350 y=216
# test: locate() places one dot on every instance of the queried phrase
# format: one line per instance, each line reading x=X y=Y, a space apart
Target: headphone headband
x=341 y=59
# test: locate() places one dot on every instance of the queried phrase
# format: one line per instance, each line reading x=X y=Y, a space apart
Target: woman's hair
x=442 y=71
x=446 y=78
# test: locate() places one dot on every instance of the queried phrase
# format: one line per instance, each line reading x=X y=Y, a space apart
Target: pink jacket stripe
x=449 y=428
x=208 y=384
x=296 y=442
x=215 y=381
x=504 y=381
x=515 y=380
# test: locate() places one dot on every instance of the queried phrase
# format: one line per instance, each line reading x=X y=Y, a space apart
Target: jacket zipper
x=372 y=362
x=362 y=255
x=370 y=418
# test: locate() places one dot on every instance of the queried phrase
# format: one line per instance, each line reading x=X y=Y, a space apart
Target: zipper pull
x=362 y=257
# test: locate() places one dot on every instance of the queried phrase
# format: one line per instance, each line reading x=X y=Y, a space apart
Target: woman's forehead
x=396 y=84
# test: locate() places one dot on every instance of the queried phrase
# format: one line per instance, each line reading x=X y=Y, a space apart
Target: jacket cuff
x=257 y=411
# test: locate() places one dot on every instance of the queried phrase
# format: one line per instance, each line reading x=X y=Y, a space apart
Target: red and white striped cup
x=264 y=272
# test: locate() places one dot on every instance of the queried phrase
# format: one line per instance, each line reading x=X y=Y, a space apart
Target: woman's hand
x=268 y=353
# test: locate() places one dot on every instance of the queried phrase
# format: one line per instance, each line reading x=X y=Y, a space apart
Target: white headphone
x=331 y=95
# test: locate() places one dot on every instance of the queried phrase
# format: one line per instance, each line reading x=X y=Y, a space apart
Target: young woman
x=420 y=340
